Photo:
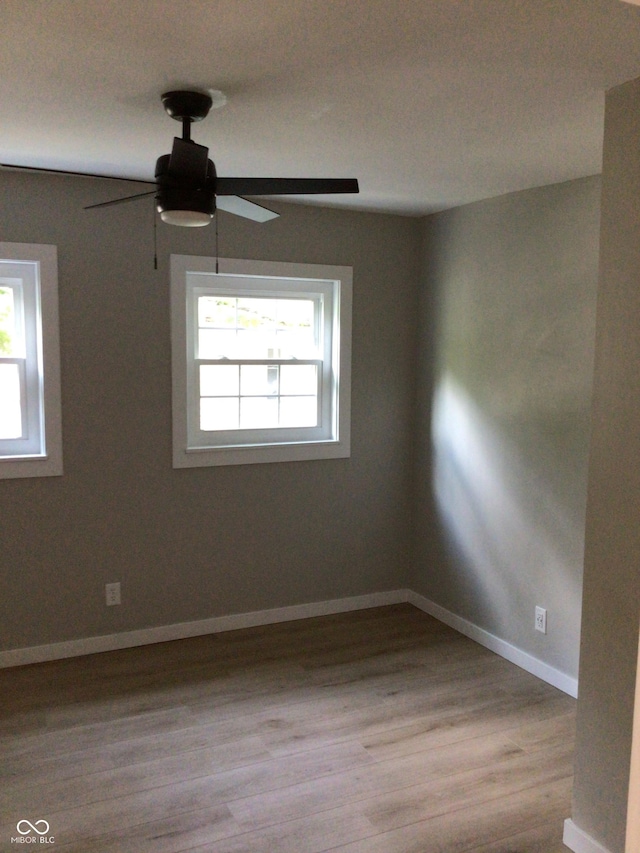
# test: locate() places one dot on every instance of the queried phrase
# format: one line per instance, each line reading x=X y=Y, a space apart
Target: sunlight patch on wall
x=499 y=517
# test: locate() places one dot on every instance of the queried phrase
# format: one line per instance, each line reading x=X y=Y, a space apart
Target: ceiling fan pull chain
x=155 y=236
x=216 y=244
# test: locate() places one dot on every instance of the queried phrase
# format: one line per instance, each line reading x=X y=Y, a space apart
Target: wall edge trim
x=217 y=624
x=197 y=628
x=579 y=841
x=512 y=653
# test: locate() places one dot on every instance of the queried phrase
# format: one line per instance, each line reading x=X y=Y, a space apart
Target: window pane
x=257 y=313
x=296 y=332
x=256 y=327
x=217 y=311
x=218 y=413
x=259 y=380
x=258 y=412
x=257 y=343
x=298 y=411
x=10 y=409
x=8 y=336
x=219 y=380
x=296 y=344
x=217 y=343
x=298 y=379
x=296 y=314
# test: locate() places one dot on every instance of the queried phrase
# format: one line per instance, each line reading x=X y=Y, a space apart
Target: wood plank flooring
x=380 y=731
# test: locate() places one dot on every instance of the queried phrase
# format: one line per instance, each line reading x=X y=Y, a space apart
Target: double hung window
x=30 y=434
x=261 y=361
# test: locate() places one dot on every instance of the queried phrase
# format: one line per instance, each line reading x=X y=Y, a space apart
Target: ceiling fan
x=187 y=189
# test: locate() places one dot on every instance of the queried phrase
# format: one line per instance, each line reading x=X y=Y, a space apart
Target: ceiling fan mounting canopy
x=181 y=105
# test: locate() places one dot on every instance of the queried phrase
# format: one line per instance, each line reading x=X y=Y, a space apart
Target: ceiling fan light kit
x=186 y=218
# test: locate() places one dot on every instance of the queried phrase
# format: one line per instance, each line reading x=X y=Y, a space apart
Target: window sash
x=322 y=294
x=11 y=444
x=259 y=435
x=277 y=335
x=23 y=278
x=15 y=284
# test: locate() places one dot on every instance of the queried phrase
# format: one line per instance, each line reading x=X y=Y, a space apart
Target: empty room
x=319 y=460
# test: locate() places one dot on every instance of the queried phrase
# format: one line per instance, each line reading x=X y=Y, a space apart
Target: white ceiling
x=429 y=103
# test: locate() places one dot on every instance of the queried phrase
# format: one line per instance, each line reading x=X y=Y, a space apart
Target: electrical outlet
x=541 y=620
x=112 y=593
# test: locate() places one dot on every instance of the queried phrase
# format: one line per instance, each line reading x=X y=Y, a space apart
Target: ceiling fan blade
x=12 y=167
x=120 y=200
x=188 y=162
x=285 y=186
x=243 y=207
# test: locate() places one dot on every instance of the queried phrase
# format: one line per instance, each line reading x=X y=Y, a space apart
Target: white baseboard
x=578 y=841
x=183 y=630
x=216 y=624
x=524 y=660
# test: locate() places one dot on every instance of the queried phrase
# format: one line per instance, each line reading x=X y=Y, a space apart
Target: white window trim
x=47 y=462
x=339 y=445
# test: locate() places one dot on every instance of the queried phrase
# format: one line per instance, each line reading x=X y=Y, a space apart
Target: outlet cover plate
x=541 y=620
x=112 y=593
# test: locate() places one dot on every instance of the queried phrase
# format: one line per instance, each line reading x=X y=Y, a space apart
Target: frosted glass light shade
x=187 y=218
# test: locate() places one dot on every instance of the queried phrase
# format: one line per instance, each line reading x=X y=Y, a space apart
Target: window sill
x=13 y=467
x=255 y=454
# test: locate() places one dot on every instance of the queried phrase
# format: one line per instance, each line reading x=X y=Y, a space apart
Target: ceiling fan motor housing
x=180 y=195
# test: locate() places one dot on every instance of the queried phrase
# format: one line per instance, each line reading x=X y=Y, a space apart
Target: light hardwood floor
x=380 y=731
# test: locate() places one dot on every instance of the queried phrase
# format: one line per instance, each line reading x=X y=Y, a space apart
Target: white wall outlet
x=541 y=620
x=112 y=593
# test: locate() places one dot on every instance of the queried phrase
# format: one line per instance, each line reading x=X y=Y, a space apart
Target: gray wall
x=611 y=609
x=196 y=543
x=507 y=319
x=500 y=298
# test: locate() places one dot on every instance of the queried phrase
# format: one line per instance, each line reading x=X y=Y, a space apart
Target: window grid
x=277 y=392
